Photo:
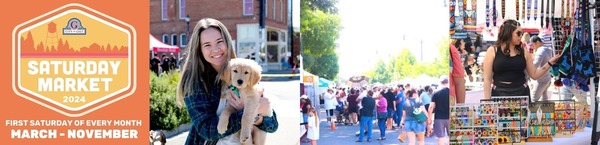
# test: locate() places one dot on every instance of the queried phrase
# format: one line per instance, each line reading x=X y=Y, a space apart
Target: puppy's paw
x=221 y=128
x=245 y=138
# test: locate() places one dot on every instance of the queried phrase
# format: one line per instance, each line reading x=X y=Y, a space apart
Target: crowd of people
x=163 y=64
x=392 y=106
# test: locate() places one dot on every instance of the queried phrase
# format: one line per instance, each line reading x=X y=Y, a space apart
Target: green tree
x=381 y=73
x=327 y=66
x=320 y=29
x=442 y=63
x=405 y=65
x=327 y=6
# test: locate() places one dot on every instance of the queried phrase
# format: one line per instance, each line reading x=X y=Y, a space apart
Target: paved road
x=345 y=135
x=284 y=99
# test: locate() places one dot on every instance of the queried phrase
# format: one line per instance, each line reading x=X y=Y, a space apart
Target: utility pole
x=421 y=50
x=261 y=31
x=291 y=30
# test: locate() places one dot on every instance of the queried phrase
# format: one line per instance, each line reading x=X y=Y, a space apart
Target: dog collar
x=235 y=90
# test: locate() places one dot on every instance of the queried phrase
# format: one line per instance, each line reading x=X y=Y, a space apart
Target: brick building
x=241 y=17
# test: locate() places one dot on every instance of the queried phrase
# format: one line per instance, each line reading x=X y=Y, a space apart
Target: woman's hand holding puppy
x=235 y=101
x=238 y=104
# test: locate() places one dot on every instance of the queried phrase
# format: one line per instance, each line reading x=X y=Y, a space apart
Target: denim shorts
x=414 y=126
x=390 y=113
x=305 y=118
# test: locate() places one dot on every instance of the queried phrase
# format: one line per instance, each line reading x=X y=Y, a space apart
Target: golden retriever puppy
x=244 y=74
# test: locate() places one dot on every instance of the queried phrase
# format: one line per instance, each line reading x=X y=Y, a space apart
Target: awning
x=157 y=46
x=325 y=83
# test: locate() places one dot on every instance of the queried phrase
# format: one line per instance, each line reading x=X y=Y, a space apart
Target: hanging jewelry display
x=513 y=117
x=547 y=26
x=565 y=118
x=474 y=124
x=542 y=15
x=517 y=10
x=503 y=9
x=452 y=17
x=529 y=12
x=474 y=15
x=487 y=13
x=535 y=10
x=583 y=116
x=494 y=13
x=459 y=18
x=542 y=122
x=465 y=14
x=523 y=11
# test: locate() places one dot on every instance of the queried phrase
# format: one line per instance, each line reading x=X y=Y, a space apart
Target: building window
x=165 y=38
x=248 y=7
x=273 y=36
x=266 y=9
x=282 y=37
x=174 y=39
x=165 y=9
x=182 y=13
x=184 y=40
x=274 y=9
x=281 y=9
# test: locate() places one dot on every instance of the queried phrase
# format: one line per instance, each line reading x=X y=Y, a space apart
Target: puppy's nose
x=240 y=82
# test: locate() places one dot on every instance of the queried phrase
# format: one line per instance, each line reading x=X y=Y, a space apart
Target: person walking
x=542 y=56
x=313 y=126
x=353 y=106
x=381 y=114
x=390 y=97
x=440 y=106
x=366 y=119
x=329 y=104
x=399 y=103
x=414 y=129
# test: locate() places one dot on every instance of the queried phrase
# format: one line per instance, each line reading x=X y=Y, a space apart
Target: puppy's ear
x=226 y=75
x=256 y=74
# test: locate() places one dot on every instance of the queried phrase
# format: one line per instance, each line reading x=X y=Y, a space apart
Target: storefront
x=273 y=55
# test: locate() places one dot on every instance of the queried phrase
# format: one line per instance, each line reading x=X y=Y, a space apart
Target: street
x=346 y=135
x=284 y=99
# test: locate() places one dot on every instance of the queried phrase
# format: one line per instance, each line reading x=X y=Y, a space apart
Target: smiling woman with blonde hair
x=209 y=51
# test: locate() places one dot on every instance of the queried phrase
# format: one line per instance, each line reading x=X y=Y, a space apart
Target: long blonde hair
x=196 y=70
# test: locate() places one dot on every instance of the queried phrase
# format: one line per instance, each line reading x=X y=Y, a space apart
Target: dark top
x=165 y=64
x=173 y=63
x=154 y=64
x=368 y=104
x=390 y=97
x=352 y=100
x=202 y=109
x=441 y=98
x=509 y=69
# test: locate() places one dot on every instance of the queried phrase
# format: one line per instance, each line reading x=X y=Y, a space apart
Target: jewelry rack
x=565 y=118
x=583 y=115
x=513 y=118
x=542 y=124
x=474 y=123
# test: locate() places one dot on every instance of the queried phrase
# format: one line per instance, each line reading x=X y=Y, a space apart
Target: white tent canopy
x=157 y=46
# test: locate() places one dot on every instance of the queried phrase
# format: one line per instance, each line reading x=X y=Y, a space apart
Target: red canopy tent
x=157 y=46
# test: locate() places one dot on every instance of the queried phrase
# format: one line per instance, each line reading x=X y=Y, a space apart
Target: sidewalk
x=345 y=135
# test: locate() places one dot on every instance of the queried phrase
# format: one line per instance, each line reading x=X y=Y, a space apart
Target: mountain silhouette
x=62 y=48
